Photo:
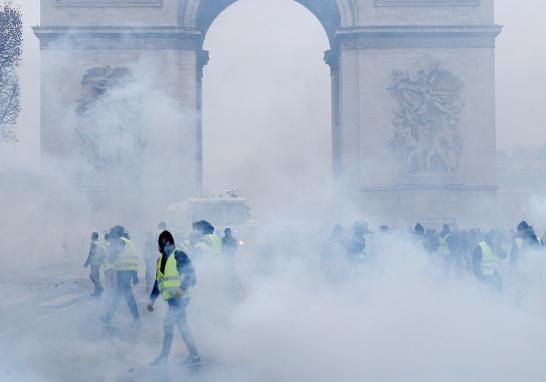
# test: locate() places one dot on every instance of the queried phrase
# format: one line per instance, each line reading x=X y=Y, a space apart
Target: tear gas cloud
x=274 y=317
x=279 y=320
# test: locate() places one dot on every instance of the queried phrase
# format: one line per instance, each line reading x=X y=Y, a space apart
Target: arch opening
x=267 y=101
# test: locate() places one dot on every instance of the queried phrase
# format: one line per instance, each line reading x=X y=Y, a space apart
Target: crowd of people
x=169 y=274
x=491 y=256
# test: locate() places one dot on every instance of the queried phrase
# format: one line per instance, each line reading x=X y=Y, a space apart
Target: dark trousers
x=124 y=289
x=176 y=315
x=94 y=275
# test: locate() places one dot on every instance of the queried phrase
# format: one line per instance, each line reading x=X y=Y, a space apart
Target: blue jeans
x=176 y=315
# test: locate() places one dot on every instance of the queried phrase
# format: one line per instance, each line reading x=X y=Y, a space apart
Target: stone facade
x=371 y=40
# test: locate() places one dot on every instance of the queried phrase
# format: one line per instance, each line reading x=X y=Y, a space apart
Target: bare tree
x=11 y=41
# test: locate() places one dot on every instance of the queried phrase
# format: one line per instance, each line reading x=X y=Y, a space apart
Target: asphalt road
x=50 y=331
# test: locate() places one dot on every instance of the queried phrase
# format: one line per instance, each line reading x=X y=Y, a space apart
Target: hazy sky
x=277 y=62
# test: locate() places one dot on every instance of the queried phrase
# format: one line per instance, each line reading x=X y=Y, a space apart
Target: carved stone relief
x=426 y=138
x=107 y=129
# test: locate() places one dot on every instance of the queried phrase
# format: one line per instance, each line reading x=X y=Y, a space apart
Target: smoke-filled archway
x=266 y=73
x=378 y=50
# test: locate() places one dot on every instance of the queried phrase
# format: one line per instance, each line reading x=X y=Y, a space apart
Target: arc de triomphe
x=413 y=89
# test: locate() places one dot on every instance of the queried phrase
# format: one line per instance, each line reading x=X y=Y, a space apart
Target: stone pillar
x=331 y=57
x=202 y=60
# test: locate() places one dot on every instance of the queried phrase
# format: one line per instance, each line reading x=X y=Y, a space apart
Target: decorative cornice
x=118 y=38
x=419 y=36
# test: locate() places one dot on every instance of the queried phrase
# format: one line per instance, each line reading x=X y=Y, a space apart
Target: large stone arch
x=378 y=50
x=334 y=16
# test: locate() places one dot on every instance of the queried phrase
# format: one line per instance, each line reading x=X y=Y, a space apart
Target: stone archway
x=386 y=57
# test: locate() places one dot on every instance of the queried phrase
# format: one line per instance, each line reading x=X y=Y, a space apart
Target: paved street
x=51 y=326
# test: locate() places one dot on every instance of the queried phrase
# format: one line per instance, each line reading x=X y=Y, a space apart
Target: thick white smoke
x=276 y=317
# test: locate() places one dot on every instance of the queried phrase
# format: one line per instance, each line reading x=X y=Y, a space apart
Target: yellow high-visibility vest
x=170 y=281
x=490 y=260
x=128 y=259
x=210 y=245
x=213 y=241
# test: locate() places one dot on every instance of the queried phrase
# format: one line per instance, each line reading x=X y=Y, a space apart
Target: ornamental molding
x=118 y=38
x=419 y=36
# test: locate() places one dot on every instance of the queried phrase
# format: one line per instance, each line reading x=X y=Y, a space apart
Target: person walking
x=175 y=279
x=124 y=259
x=486 y=260
x=207 y=243
x=229 y=243
x=94 y=260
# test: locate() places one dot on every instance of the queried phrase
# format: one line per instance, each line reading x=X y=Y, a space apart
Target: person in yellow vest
x=123 y=256
x=207 y=242
x=174 y=281
x=524 y=238
x=487 y=259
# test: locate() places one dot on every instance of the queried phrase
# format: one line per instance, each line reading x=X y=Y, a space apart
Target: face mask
x=167 y=249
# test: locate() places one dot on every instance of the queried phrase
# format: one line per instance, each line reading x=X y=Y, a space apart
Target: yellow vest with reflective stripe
x=213 y=241
x=210 y=245
x=490 y=261
x=128 y=259
x=170 y=281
